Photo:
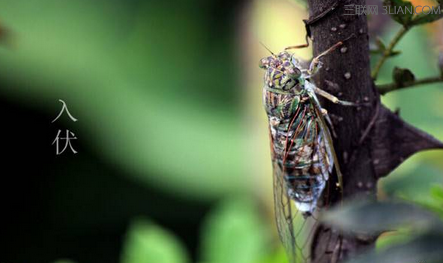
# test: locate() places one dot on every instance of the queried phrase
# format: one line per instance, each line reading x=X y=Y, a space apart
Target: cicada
x=303 y=154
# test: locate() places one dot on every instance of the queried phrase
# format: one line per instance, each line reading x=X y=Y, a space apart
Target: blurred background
x=173 y=162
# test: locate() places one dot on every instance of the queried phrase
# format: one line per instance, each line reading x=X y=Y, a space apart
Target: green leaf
x=394 y=53
x=400 y=10
x=374 y=51
x=376 y=217
x=136 y=77
x=146 y=243
x=234 y=233
x=436 y=203
x=425 y=248
x=437 y=193
x=381 y=46
x=430 y=17
x=402 y=76
x=390 y=238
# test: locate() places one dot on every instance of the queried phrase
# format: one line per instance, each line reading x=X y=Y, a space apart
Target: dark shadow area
x=73 y=206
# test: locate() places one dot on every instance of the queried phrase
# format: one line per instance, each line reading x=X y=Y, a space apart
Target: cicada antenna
x=261 y=43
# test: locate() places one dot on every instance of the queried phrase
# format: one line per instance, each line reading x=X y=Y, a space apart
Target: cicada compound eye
x=293 y=73
x=263 y=63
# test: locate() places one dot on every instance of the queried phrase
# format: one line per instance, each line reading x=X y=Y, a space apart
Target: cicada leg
x=328 y=119
x=316 y=63
x=334 y=99
x=313 y=98
x=300 y=46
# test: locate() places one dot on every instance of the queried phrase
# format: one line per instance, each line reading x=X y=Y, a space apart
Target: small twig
x=387 y=53
x=383 y=89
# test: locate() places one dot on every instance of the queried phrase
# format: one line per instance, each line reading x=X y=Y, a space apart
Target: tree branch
x=383 y=89
x=348 y=69
x=371 y=141
x=394 y=141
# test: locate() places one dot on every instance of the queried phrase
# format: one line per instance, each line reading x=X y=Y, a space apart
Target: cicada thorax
x=298 y=147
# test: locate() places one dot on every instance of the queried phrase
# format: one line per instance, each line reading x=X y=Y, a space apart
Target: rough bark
x=371 y=140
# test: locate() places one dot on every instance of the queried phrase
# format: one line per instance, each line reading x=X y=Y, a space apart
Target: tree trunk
x=371 y=141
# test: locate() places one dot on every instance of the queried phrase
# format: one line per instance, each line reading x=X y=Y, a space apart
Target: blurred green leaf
x=398 y=9
x=234 y=233
x=390 y=238
x=278 y=256
x=426 y=18
x=381 y=48
x=376 y=217
x=147 y=243
x=401 y=247
x=155 y=117
x=437 y=193
x=426 y=248
x=435 y=203
x=432 y=16
x=394 y=53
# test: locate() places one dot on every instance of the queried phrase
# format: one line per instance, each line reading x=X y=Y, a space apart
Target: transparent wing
x=295 y=231
x=284 y=214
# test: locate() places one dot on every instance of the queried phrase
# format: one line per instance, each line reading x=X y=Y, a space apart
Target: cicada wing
x=294 y=230
x=283 y=209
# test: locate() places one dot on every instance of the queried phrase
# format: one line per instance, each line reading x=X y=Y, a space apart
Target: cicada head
x=282 y=71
